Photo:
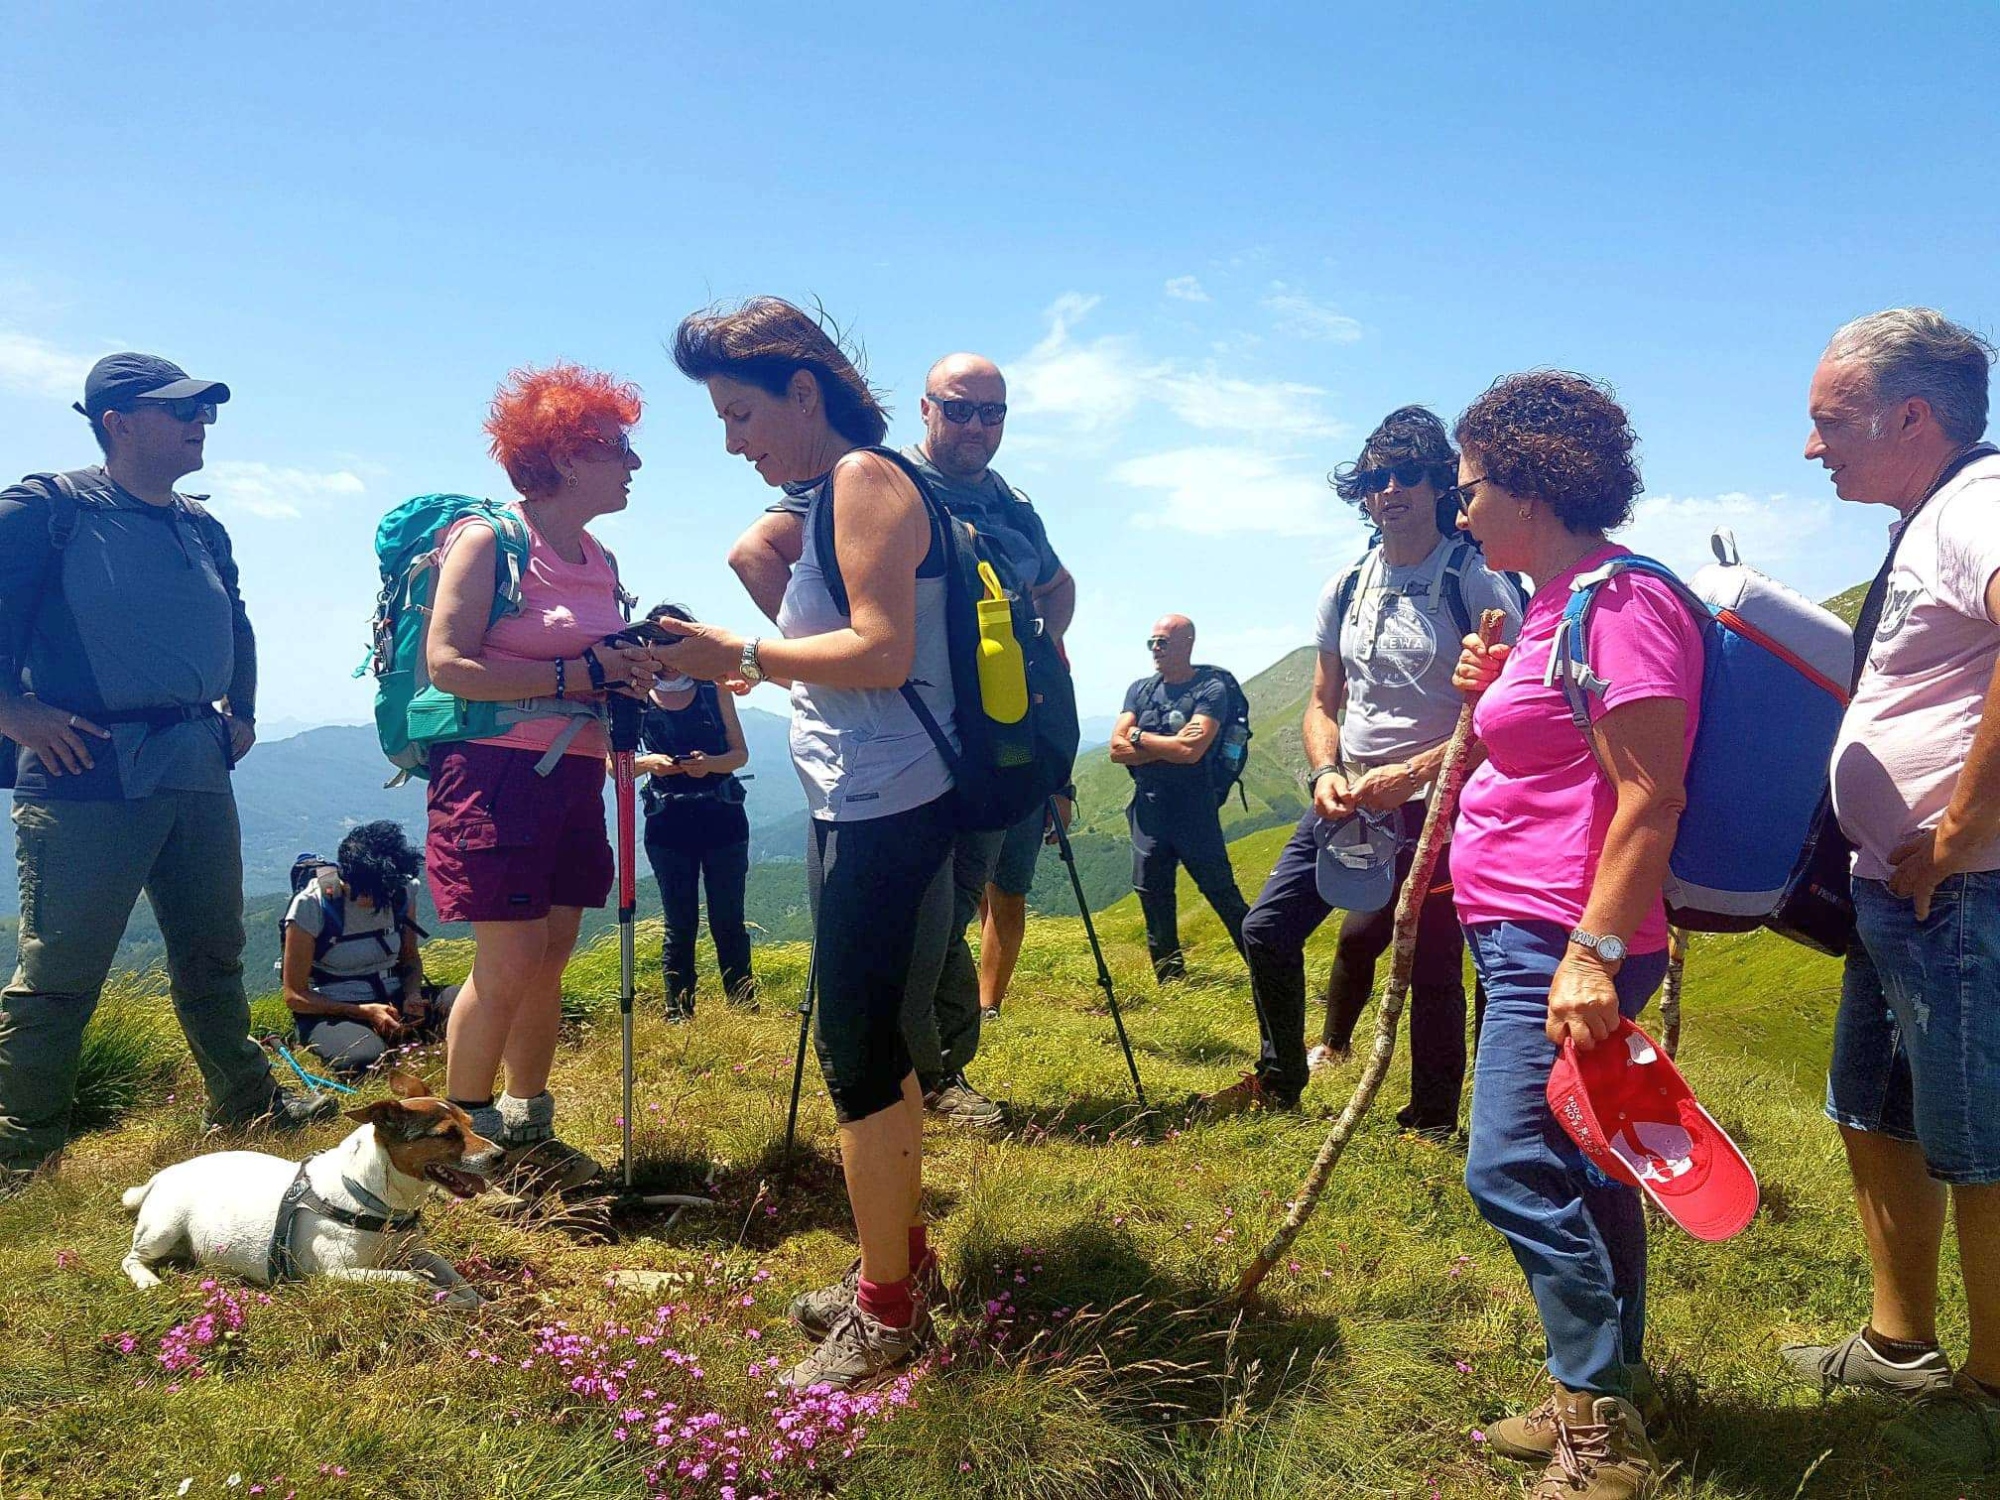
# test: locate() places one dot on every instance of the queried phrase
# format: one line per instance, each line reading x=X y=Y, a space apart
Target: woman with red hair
x=517 y=844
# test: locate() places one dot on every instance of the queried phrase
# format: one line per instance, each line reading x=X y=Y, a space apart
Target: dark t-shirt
x=691 y=814
x=1166 y=708
x=1008 y=523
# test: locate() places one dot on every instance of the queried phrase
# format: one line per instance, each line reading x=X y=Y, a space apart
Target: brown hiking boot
x=1240 y=1097
x=1530 y=1437
x=1601 y=1452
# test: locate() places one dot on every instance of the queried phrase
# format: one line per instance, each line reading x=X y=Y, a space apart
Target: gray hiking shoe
x=1955 y=1430
x=816 y=1312
x=859 y=1353
x=537 y=1160
x=287 y=1111
x=957 y=1102
x=1854 y=1362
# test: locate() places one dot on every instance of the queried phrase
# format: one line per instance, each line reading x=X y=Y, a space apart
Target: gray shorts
x=1014 y=871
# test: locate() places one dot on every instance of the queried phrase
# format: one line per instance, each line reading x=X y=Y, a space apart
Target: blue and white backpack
x=1773 y=691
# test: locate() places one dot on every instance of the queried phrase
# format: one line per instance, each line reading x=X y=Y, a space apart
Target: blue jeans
x=1916 y=1046
x=1579 y=1238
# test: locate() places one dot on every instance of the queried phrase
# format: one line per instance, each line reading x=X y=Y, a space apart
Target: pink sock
x=920 y=1249
x=888 y=1302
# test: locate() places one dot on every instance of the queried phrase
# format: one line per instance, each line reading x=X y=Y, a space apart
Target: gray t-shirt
x=1398 y=644
x=369 y=945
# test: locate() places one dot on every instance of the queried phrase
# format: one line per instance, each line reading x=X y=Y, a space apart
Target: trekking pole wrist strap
x=595 y=667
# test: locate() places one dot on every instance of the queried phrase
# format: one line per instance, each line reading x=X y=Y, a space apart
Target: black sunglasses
x=1154 y=642
x=1408 y=474
x=958 y=413
x=1459 y=496
x=186 y=409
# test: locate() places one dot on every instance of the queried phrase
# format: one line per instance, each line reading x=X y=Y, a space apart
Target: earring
x=572 y=485
x=1525 y=511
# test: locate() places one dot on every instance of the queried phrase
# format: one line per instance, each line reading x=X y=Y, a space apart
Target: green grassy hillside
x=1088 y=1355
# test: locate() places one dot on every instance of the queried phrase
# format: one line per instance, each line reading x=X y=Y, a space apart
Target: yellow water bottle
x=1003 y=674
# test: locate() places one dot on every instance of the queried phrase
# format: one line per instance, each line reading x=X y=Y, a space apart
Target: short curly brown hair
x=1558 y=437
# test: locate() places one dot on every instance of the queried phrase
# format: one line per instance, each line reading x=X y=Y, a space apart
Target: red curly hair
x=539 y=416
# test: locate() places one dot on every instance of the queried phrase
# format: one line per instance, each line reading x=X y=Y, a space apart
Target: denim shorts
x=1916 y=1046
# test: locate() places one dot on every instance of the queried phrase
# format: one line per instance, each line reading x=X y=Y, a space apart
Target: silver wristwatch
x=747 y=667
x=1611 y=949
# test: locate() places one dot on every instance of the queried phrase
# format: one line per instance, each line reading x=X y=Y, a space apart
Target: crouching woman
x=1559 y=858
x=353 y=978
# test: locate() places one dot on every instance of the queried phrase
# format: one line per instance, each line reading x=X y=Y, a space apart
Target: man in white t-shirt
x=1899 y=404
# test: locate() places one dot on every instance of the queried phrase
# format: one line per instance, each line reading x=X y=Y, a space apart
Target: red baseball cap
x=1633 y=1115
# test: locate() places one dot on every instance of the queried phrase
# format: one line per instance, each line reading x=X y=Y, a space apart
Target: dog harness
x=282 y=1265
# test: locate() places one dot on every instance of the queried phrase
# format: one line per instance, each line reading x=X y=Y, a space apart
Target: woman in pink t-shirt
x=516 y=844
x=1559 y=855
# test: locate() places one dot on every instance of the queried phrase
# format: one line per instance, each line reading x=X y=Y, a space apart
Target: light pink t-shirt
x=565 y=606
x=1910 y=726
x=1532 y=819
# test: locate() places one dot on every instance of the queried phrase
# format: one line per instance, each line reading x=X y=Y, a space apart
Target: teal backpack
x=412 y=714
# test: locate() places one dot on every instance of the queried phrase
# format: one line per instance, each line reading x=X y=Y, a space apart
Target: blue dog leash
x=310 y=1080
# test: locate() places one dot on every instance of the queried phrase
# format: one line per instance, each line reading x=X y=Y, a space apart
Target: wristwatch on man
x=1132 y=736
x=747 y=667
x=1607 y=947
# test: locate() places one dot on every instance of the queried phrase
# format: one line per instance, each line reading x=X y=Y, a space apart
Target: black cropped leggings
x=867 y=879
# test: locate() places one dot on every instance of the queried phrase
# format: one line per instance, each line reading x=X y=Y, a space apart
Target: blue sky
x=1210 y=245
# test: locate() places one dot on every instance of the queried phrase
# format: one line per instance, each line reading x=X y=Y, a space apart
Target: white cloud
x=35 y=367
x=1210 y=401
x=1772 y=533
x=1227 y=491
x=1091 y=386
x=1305 y=318
x=1186 y=289
x=275 y=493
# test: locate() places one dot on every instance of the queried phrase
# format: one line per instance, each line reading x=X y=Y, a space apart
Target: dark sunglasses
x=621 y=446
x=1459 y=496
x=1409 y=475
x=187 y=409
x=1155 y=642
x=958 y=413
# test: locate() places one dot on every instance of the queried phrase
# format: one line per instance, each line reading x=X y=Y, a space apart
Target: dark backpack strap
x=1454 y=588
x=1878 y=591
x=822 y=530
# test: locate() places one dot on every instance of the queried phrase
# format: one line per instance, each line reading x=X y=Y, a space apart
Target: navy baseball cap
x=119 y=379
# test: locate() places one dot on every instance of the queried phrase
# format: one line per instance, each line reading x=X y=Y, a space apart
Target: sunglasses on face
x=958 y=413
x=187 y=409
x=1155 y=642
x=1460 y=496
x=620 y=446
x=1409 y=475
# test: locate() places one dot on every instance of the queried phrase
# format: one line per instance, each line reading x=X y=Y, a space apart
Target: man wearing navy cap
x=128 y=680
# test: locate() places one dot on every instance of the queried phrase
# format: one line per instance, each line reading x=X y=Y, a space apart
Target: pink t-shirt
x=565 y=606
x=1910 y=726
x=1532 y=819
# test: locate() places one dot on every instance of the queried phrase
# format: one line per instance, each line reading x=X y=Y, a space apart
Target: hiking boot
x=957 y=1102
x=989 y=1013
x=1437 y=1132
x=286 y=1112
x=680 y=1008
x=1247 y=1094
x=1955 y=1429
x=537 y=1160
x=816 y=1312
x=1854 y=1362
x=859 y=1353
x=1601 y=1452
x=1530 y=1437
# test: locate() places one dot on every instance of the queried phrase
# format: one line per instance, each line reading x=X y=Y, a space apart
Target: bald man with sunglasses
x=964 y=410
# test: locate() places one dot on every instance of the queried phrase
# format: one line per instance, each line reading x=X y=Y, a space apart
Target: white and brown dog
x=349 y=1213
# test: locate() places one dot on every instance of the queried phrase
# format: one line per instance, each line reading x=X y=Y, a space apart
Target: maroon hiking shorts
x=504 y=844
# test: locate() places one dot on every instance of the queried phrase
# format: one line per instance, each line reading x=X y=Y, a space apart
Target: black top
x=1166 y=708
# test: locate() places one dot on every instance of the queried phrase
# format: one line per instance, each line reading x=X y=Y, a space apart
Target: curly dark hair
x=376 y=860
x=1558 y=437
x=1409 y=433
x=766 y=341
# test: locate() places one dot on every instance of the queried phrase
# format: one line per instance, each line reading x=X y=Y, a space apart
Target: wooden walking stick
x=1670 y=992
x=1444 y=802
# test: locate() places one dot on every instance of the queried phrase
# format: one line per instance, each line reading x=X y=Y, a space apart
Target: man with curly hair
x=1898 y=406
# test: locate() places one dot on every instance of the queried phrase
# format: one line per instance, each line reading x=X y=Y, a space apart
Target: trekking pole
x=1670 y=992
x=1416 y=886
x=1096 y=952
x=624 y=744
x=805 y=1027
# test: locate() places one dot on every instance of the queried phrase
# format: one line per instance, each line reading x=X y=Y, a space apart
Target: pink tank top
x=565 y=606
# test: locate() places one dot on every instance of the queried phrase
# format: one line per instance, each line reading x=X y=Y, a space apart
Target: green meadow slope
x=1087 y=1249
